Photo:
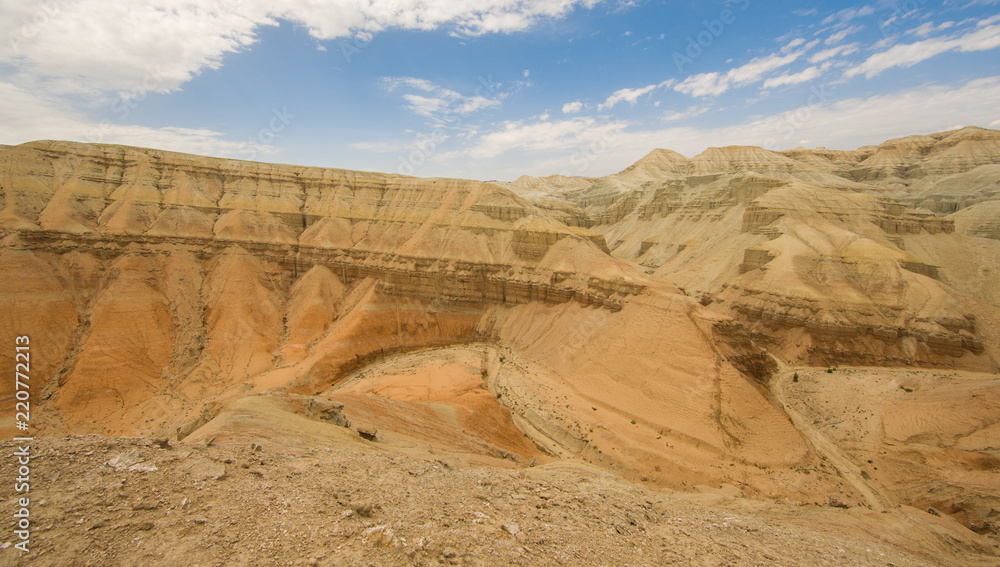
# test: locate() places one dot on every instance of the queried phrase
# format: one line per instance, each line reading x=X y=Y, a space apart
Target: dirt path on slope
x=874 y=496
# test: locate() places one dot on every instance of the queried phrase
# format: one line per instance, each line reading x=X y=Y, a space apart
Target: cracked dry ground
x=110 y=501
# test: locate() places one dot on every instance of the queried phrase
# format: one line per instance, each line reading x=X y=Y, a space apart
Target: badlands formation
x=745 y=357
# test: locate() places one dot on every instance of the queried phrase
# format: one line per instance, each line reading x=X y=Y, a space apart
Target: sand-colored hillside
x=836 y=257
x=928 y=438
x=642 y=331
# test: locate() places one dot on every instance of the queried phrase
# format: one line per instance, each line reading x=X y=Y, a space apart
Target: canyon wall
x=835 y=257
x=635 y=321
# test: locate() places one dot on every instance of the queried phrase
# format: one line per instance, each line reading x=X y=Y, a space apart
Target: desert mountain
x=823 y=251
x=811 y=326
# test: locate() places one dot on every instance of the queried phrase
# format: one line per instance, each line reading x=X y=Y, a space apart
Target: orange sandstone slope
x=197 y=297
x=210 y=299
x=884 y=255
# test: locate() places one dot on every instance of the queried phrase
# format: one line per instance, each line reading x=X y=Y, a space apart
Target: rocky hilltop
x=692 y=325
x=836 y=256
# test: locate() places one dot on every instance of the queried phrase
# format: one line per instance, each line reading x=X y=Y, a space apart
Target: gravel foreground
x=97 y=501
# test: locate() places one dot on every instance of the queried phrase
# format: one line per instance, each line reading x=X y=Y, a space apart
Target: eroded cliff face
x=884 y=260
x=208 y=253
x=635 y=322
x=111 y=191
x=202 y=298
x=836 y=257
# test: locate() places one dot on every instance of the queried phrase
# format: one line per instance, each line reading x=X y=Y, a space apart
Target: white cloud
x=441 y=103
x=847 y=14
x=846 y=49
x=754 y=70
x=849 y=123
x=689 y=112
x=908 y=54
x=990 y=20
x=792 y=44
x=392 y=83
x=117 y=46
x=420 y=142
x=705 y=84
x=379 y=147
x=121 y=46
x=925 y=29
x=543 y=135
x=572 y=107
x=626 y=95
x=26 y=116
x=839 y=36
x=427 y=107
x=471 y=104
x=63 y=58
x=567 y=146
x=807 y=74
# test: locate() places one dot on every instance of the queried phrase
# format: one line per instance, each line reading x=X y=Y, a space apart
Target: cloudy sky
x=492 y=89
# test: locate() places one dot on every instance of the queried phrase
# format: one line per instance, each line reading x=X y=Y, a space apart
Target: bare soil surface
x=927 y=438
x=102 y=501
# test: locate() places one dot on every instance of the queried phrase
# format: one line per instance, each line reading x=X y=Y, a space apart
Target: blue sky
x=492 y=89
